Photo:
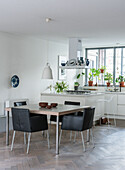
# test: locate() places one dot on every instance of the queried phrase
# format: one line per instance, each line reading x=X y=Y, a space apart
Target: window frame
x=114 y=61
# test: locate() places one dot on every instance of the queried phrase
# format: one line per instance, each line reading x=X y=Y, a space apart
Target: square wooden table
x=57 y=111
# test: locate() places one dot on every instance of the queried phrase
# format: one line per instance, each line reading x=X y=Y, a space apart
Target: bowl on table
x=54 y=104
x=48 y=106
x=43 y=104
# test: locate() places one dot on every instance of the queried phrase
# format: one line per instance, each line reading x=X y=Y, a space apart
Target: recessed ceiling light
x=48 y=19
x=117 y=43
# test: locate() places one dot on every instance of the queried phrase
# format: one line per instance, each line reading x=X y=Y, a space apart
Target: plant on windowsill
x=120 y=80
x=102 y=69
x=90 y=82
x=96 y=73
x=79 y=75
x=60 y=87
x=108 y=77
x=93 y=73
x=76 y=84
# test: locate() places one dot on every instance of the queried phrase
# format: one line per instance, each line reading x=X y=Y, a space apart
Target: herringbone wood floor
x=108 y=154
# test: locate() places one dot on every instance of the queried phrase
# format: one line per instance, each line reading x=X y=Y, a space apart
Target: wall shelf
x=74 y=67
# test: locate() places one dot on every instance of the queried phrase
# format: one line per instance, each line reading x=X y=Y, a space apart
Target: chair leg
x=42 y=133
x=50 y=126
x=88 y=135
x=60 y=136
x=48 y=139
x=70 y=135
x=75 y=137
x=13 y=140
x=29 y=135
x=108 y=119
x=92 y=137
x=114 y=120
x=83 y=141
x=25 y=138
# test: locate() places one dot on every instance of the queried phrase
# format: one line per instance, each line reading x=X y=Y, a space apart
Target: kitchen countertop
x=82 y=95
x=122 y=93
x=77 y=95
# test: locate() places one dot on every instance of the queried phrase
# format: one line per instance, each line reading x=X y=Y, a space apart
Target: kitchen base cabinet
x=121 y=105
x=116 y=106
x=85 y=100
x=111 y=104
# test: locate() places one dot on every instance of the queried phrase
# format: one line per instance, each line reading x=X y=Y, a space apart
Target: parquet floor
x=108 y=154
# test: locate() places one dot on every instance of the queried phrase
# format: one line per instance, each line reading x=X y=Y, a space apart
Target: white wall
x=26 y=57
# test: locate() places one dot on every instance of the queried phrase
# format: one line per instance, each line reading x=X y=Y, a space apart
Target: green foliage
x=93 y=73
x=103 y=67
x=120 y=79
x=76 y=84
x=60 y=87
x=90 y=76
x=79 y=75
x=108 y=77
x=96 y=73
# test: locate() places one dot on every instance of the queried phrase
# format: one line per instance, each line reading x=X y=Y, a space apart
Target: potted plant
x=60 y=87
x=92 y=71
x=120 y=80
x=79 y=75
x=96 y=73
x=76 y=85
x=102 y=69
x=108 y=77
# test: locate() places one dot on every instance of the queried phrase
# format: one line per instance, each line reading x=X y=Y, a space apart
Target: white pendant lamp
x=47 y=72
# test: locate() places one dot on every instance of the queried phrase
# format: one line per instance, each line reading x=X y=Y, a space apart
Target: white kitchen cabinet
x=121 y=110
x=121 y=99
x=111 y=103
x=85 y=100
x=98 y=102
x=117 y=105
x=121 y=104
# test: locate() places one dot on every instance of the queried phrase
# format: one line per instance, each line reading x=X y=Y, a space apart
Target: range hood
x=75 y=48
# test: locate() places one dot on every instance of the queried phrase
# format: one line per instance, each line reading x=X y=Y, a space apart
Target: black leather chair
x=79 y=123
x=22 y=121
x=21 y=103
x=53 y=118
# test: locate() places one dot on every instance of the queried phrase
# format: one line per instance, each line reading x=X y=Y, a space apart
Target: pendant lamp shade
x=47 y=72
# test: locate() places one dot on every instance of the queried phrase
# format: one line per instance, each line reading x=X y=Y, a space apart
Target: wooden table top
x=59 y=110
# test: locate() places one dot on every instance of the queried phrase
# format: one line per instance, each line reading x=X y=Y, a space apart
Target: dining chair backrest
x=21 y=119
x=22 y=103
x=88 y=118
x=72 y=103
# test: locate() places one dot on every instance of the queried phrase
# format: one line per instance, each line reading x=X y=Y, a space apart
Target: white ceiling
x=97 y=22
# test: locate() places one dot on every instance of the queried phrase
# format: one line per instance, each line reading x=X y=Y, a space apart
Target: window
x=123 y=63
x=113 y=58
x=118 y=62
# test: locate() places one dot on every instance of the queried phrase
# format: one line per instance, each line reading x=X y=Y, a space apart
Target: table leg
x=57 y=135
x=7 y=128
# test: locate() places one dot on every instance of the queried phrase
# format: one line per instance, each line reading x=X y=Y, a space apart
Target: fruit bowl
x=49 y=106
x=43 y=104
x=54 y=104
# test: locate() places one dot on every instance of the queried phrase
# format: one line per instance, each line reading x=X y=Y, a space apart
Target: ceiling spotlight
x=48 y=19
x=117 y=43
